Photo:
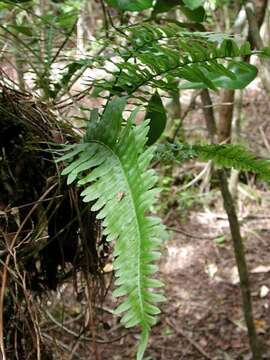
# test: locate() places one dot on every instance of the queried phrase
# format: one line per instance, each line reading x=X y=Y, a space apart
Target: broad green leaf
x=193 y=4
x=192 y=9
x=157 y=115
x=196 y=15
x=67 y=20
x=25 y=30
x=265 y=51
x=165 y=5
x=108 y=127
x=130 y=5
x=15 y=1
x=245 y=73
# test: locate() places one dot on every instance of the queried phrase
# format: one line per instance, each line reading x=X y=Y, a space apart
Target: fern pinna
x=112 y=165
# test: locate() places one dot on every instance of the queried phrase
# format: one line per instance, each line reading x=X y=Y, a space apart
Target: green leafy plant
x=167 y=57
x=112 y=164
x=126 y=5
x=147 y=62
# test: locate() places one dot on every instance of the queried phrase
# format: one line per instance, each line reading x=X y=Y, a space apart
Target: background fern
x=151 y=56
x=226 y=155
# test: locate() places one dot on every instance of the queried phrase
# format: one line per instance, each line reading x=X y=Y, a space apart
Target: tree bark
x=255 y=39
x=209 y=114
x=225 y=116
x=239 y=253
x=236 y=129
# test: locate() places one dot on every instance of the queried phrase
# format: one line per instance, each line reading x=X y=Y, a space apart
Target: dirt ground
x=202 y=317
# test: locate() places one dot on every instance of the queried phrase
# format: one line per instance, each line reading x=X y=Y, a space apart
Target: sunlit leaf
x=245 y=73
x=127 y=5
x=193 y=4
x=196 y=15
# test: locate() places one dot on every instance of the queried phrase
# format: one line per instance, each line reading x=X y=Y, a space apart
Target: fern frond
x=112 y=165
x=236 y=156
x=162 y=56
x=157 y=55
x=227 y=155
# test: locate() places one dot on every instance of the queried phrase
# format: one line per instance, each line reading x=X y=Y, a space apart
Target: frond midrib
x=138 y=227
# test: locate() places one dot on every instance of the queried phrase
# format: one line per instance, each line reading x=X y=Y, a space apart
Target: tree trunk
x=236 y=125
x=225 y=116
x=256 y=41
x=209 y=114
x=224 y=135
x=239 y=253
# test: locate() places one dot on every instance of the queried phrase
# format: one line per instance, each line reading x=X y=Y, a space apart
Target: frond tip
x=112 y=165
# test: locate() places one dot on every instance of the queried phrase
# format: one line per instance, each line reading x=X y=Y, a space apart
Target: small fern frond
x=227 y=155
x=112 y=165
x=236 y=156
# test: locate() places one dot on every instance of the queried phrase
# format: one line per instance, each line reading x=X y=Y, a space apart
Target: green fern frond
x=157 y=55
x=164 y=56
x=227 y=155
x=112 y=165
x=235 y=156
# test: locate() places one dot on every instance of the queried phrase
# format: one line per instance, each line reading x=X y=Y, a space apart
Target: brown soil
x=202 y=317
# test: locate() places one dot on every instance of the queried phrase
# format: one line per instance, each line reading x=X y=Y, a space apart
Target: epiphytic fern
x=112 y=165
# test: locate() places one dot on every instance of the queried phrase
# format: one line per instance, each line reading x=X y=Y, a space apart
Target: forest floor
x=202 y=317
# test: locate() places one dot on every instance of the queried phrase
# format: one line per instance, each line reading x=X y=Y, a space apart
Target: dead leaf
x=240 y=324
x=227 y=356
x=120 y=196
x=211 y=270
x=234 y=276
x=264 y=291
x=260 y=326
x=108 y=268
x=260 y=269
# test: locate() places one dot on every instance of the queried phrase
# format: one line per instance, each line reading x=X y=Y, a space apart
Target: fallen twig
x=192 y=342
x=180 y=231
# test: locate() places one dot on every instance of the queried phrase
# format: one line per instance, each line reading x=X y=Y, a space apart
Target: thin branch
x=179 y=331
